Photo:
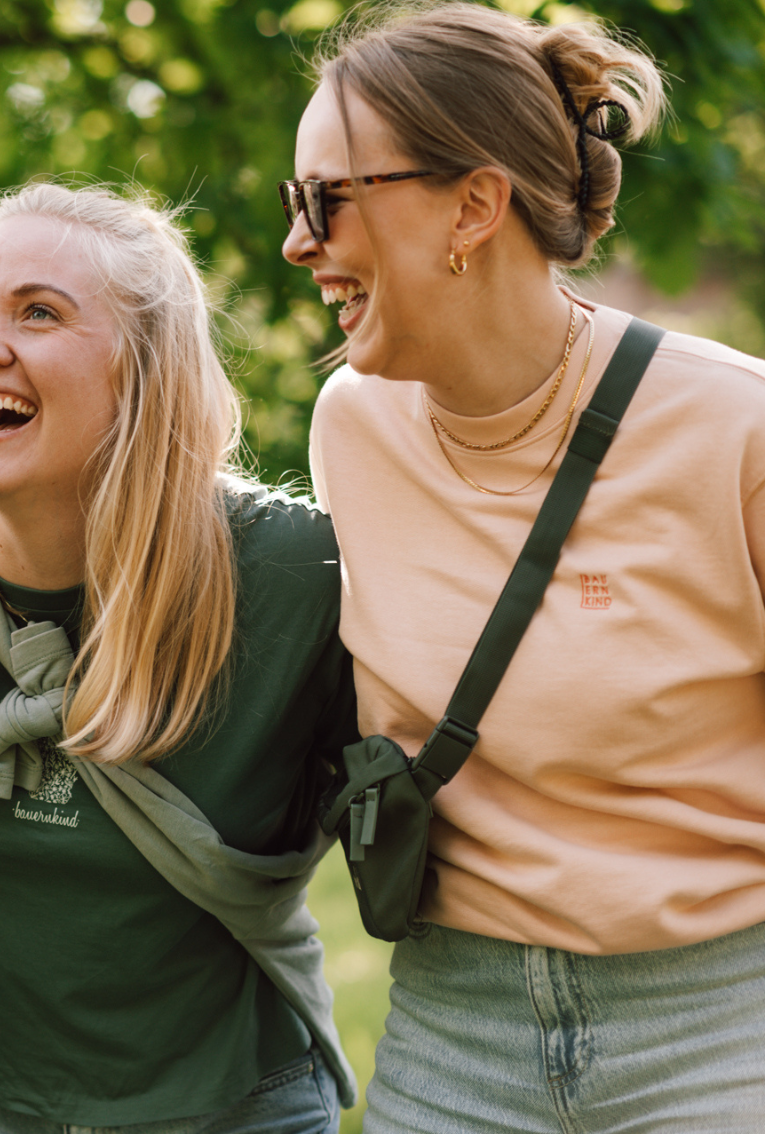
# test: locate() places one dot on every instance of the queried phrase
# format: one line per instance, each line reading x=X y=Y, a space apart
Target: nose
x=7 y=357
x=300 y=246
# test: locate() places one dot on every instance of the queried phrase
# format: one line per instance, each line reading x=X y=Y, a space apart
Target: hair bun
x=462 y=85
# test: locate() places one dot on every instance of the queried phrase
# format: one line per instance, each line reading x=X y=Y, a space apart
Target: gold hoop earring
x=458 y=270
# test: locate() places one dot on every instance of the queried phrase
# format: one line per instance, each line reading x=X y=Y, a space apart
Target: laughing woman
x=593 y=953
x=152 y=976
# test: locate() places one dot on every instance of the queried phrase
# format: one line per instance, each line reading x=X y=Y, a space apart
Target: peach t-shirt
x=615 y=800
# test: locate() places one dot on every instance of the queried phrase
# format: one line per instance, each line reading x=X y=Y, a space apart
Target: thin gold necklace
x=540 y=412
x=562 y=438
x=12 y=609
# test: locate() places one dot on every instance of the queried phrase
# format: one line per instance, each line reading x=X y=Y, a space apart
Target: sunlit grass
x=357 y=969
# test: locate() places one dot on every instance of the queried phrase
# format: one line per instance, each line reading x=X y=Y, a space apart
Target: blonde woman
x=593 y=954
x=201 y=656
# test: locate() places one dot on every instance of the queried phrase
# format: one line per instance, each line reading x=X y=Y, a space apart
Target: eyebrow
x=27 y=289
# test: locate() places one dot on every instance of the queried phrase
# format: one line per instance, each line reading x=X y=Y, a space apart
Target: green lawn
x=357 y=969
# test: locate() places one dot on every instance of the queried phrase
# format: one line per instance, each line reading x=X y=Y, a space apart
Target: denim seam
x=556 y=1083
x=317 y=1072
x=584 y=1050
x=282 y=1078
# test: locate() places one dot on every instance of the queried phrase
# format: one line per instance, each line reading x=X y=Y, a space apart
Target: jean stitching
x=281 y=1078
x=318 y=1071
x=535 y=1005
x=583 y=1054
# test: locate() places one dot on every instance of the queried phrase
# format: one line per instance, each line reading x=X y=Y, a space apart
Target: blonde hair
x=462 y=86
x=159 y=583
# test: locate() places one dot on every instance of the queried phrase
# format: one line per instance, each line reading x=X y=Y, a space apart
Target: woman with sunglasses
x=593 y=957
x=171 y=686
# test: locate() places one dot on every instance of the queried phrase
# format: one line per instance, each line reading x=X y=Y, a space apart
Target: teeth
x=17 y=406
x=341 y=293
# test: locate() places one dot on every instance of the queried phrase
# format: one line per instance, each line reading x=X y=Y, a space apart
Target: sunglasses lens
x=314 y=210
x=290 y=200
x=307 y=195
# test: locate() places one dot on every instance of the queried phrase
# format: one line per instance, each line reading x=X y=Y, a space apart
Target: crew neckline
x=62 y=606
x=491 y=429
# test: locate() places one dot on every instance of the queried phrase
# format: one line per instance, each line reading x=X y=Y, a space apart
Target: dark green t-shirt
x=120 y=1000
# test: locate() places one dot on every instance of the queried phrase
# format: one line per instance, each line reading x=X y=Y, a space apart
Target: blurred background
x=199 y=100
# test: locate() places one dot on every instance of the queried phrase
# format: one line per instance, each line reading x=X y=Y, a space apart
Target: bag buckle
x=444 y=751
x=363 y=811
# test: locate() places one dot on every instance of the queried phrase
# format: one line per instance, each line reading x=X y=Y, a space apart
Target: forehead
x=44 y=250
x=321 y=146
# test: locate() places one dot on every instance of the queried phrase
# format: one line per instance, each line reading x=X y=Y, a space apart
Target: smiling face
x=57 y=339
x=412 y=223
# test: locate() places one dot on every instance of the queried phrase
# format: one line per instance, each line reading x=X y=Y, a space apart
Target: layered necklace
x=439 y=428
x=540 y=412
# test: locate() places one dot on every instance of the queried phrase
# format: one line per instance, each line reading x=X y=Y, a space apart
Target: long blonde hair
x=463 y=85
x=159 y=580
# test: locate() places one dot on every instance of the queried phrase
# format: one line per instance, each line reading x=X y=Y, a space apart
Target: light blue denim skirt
x=487 y=1036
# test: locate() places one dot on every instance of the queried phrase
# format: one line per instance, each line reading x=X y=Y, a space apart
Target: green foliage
x=200 y=99
x=702 y=189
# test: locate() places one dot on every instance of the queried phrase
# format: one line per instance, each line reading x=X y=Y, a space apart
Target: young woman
x=595 y=958
x=201 y=623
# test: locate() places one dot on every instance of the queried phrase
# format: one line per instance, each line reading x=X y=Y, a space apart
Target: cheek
x=413 y=285
x=88 y=411
x=99 y=381
x=349 y=244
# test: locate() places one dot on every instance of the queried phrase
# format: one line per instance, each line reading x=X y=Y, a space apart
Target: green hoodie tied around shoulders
x=260 y=899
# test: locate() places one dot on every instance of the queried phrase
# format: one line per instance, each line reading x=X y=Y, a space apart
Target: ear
x=483 y=200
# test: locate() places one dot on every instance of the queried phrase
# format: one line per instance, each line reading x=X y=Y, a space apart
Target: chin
x=365 y=356
x=376 y=355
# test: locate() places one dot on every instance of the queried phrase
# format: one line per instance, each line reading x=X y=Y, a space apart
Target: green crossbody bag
x=379 y=803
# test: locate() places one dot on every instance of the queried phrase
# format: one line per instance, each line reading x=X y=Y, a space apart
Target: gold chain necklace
x=562 y=438
x=12 y=609
x=540 y=412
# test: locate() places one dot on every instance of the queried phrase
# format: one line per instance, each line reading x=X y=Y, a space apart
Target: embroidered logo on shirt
x=595 y=595
x=58 y=776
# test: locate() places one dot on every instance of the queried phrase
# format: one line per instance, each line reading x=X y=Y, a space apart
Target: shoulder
x=349 y=395
x=343 y=385
x=712 y=394
x=341 y=399
x=287 y=542
x=700 y=365
x=707 y=361
x=356 y=414
x=699 y=400
x=691 y=383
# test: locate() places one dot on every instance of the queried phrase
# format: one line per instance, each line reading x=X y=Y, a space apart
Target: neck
x=510 y=333
x=42 y=546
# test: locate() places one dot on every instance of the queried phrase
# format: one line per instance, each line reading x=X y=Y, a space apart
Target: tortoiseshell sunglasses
x=310 y=197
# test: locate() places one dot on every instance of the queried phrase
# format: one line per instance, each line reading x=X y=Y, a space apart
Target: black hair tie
x=583 y=196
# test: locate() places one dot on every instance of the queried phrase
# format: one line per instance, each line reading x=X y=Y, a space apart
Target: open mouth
x=352 y=295
x=15 y=412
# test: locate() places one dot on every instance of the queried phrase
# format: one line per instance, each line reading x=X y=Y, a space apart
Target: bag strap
x=454 y=737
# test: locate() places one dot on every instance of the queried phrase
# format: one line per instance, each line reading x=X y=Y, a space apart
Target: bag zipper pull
x=356 y=850
x=371 y=804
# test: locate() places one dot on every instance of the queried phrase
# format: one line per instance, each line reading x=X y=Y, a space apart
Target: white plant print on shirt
x=58 y=775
